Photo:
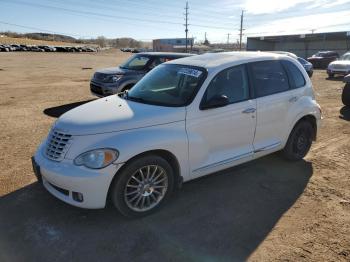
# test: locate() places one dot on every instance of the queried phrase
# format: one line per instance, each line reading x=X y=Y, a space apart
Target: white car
x=340 y=67
x=185 y=119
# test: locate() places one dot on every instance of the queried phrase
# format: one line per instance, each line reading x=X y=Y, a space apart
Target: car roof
x=214 y=60
x=165 y=54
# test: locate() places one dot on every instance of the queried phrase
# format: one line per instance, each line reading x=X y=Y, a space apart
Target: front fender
x=169 y=137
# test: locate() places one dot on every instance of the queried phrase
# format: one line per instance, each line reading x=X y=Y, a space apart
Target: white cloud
x=272 y=6
x=303 y=24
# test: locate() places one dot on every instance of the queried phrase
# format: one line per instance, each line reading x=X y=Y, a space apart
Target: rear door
x=274 y=97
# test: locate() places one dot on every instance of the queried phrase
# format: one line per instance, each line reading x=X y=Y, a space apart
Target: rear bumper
x=64 y=178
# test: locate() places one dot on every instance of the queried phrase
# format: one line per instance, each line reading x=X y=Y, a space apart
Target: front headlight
x=97 y=158
x=113 y=78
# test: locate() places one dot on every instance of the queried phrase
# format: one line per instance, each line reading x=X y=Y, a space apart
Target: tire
x=345 y=97
x=127 y=193
x=299 y=141
x=330 y=75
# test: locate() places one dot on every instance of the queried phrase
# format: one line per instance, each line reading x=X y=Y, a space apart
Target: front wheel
x=143 y=186
x=299 y=141
x=330 y=75
x=346 y=95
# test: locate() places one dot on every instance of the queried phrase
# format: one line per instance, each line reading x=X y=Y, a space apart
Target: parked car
x=323 y=58
x=346 y=91
x=285 y=53
x=307 y=66
x=4 y=48
x=185 y=119
x=339 y=67
x=47 y=48
x=110 y=81
x=16 y=47
x=34 y=48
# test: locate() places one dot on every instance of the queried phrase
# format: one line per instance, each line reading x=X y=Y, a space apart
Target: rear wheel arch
x=312 y=120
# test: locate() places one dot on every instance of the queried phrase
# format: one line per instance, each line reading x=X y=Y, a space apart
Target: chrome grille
x=57 y=145
x=100 y=77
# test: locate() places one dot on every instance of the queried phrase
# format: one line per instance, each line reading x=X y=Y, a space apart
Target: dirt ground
x=265 y=210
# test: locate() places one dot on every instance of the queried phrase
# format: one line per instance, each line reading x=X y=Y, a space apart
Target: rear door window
x=269 y=77
x=295 y=76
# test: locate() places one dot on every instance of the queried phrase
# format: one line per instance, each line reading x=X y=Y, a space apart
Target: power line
x=109 y=16
x=186 y=23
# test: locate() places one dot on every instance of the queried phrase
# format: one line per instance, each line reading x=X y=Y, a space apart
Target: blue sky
x=149 y=19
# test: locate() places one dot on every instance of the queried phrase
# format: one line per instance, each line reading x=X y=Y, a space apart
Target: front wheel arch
x=165 y=154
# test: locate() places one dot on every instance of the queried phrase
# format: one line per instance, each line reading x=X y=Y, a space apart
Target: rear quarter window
x=296 y=77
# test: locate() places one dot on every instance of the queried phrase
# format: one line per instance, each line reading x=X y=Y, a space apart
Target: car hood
x=118 y=71
x=341 y=62
x=315 y=58
x=112 y=114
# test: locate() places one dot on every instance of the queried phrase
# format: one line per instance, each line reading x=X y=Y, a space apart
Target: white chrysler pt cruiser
x=185 y=119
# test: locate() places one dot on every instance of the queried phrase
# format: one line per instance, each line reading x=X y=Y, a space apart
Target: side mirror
x=215 y=102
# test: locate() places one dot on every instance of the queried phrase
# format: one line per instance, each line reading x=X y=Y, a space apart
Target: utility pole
x=228 y=38
x=186 y=24
x=241 y=32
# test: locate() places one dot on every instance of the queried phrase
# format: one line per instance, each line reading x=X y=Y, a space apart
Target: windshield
x=136 y=62
x=320 y=54
x=302 y=61
x=168 y=85
x=345 y=57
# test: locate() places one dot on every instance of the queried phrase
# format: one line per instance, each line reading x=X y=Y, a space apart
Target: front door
x=222 y=137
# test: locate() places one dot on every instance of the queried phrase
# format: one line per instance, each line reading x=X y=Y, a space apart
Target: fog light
x=78 y=197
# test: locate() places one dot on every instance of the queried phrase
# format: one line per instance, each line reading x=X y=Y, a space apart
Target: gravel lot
x=268 y=209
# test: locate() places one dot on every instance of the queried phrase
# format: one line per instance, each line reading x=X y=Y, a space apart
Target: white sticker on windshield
x=190 y=71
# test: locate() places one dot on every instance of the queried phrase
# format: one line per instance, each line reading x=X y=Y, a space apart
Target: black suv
x=114 y=80
x=323 y=58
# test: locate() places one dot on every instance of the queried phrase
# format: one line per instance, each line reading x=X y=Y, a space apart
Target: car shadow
x=221 y=217
x=335 y=78
x=345 y=113
x=57 y=111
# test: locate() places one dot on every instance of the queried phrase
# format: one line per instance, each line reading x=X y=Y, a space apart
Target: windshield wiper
x=135 y=99
x=126 y=96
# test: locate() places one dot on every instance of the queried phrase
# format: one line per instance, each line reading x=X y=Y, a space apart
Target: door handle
x=249 y=110
x=293 y=99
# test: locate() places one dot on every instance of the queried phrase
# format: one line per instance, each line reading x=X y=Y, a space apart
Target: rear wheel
x=299 y=141
x=346 y=95
x=143 y=186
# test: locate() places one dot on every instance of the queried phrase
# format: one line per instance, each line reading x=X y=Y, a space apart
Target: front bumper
x=64 y=178
x=338 y=71
x=103 y=89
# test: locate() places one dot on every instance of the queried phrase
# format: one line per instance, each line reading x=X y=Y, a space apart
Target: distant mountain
x=101 y=40
x=42 y=36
